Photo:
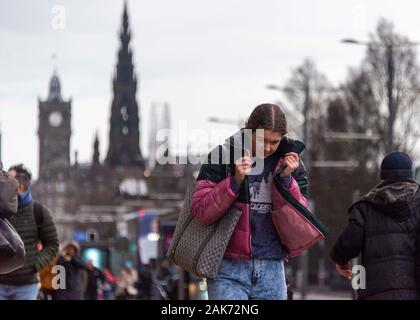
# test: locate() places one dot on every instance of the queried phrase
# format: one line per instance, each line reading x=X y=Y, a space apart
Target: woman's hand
x=243 y=167
x=291 y=160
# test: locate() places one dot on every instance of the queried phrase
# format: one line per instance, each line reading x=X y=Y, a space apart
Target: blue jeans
x=253 y=279
x=23 y=292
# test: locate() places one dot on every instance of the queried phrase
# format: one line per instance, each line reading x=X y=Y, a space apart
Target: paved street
x=324 y=295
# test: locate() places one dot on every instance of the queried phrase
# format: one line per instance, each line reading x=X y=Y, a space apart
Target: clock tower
x=54 y=133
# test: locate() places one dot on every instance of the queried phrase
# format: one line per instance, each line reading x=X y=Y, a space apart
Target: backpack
x=38 y=214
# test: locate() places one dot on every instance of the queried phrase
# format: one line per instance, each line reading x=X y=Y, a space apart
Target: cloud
x=203 y=58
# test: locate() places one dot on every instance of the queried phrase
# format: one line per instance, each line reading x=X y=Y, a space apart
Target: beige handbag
x=200 y=248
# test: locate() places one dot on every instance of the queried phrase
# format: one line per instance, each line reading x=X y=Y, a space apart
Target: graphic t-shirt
x=266 y=243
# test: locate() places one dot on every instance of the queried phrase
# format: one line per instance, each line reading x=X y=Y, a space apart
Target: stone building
x=101 y=204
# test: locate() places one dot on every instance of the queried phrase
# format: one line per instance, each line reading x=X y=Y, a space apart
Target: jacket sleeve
x=78 y=262
x=297 y=188
x=49 y=240
x=350 y=243
x=213 y=194
x=101 y=276
x=301 y=178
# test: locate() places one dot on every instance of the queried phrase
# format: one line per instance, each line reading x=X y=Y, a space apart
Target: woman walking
x=252 y=267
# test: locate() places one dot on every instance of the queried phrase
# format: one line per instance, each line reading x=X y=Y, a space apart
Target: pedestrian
x=109 y=285
x=73 y=265
x=252 y=266
x=164 y=272
x=47 y=274
x=35 y=225
x=145 y=282
x=382 y=229
x=166 y=278
x=126 y=286
x=95 y=278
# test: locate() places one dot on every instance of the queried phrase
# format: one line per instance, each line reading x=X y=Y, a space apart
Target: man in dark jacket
x=94 y=277
x=382 y=228
x=22 y=284
x=73 y=264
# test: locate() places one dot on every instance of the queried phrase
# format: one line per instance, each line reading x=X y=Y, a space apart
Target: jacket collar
x=287 y=144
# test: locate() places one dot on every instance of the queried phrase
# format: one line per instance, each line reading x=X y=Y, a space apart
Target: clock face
x=55 y=118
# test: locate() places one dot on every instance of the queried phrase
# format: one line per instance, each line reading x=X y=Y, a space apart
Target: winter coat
x=73 y=268
x=32 y=234
x=94 y=276
x=382 y=228
x=213 y=195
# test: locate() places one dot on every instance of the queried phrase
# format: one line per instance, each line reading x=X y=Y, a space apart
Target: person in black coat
x=94 y=277
x=382 y=228
x=73 y=265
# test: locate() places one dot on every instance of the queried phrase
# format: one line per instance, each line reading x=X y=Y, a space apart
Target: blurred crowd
x=85 y=281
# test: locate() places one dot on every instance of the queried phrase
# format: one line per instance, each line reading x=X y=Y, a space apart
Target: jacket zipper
x=250 y=237
x=249 y=219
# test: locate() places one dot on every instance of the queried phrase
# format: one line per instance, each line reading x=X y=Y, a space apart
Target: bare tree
x=391 y=62
x=307 y=90
x=354 y=109
x=363 y=114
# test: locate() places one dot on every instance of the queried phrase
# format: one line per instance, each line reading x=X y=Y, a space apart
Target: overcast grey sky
x=205 y=58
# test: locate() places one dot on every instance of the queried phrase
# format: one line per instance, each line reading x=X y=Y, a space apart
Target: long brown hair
x=268 y=116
